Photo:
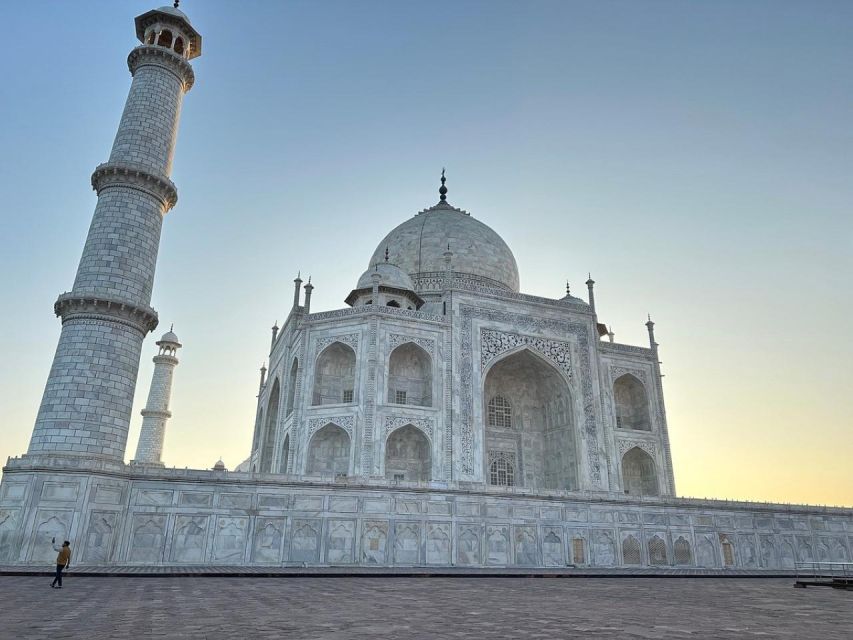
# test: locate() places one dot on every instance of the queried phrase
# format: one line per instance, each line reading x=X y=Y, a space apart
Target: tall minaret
x=156 y=411
x=86 y=407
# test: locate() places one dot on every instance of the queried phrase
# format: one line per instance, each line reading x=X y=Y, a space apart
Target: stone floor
x=426 y=607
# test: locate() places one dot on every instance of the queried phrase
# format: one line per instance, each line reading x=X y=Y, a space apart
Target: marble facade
x=442 y=418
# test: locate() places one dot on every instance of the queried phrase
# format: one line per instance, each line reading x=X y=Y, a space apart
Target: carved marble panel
x=349 y=339
x=396 y=339
x=468 y=544
x=438 y=543
x=100 y=536
x=341 y=542
x=269 y=535
x=397 y=421
x=524 y=541
x=305 y=540
x=49 y=524
x=497 y=539
x=374 y=539
x=59 y=491
x=347 y=423
x=147 y=538
x=189 y=539
x=604 y=548
x=495 y=343
x=229 y=541
x=407 y=543
x=10 y=535
x=552 y=547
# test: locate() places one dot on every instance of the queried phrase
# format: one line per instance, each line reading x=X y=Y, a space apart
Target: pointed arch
x=410 y=375
x=631 y=551
x=529 y=423
x=329 y=452
x=165 y=39
x=270 y=428
x=683 y=554
x=632 y=403
x=179 y=46
x=291 y=387
x=334 y=375
x=408 y=455
x=657 y=551
x=639 y=474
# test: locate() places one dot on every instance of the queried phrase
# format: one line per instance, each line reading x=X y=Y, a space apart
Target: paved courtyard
x=412 y=608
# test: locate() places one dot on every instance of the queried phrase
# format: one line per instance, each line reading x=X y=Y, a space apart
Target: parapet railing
x=815 y=570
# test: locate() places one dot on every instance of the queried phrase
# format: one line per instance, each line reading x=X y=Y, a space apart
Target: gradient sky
x=696 y=157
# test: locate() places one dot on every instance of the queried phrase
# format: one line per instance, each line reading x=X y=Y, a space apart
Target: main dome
x=418 y=245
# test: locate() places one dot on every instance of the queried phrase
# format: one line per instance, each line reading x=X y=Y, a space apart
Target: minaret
x=156 y=411
x=86 y=406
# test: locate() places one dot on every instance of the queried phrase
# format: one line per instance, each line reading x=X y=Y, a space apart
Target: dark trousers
x=58 y=579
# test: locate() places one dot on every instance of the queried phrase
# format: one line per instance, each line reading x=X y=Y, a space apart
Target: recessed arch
x=639 y=473
x=291 y=387
x=393 y=303
x=165 y=39
x=270 y=427
x=538 y=439
x=334 y=375
x=408 y=455
x=179 y=46
x=410 y=375
x=632 y=403
x=328 y=452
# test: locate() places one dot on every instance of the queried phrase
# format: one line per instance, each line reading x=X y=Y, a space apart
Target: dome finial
x=177 y=2
x=568 y=292
x=442 y=190
x=386 y=253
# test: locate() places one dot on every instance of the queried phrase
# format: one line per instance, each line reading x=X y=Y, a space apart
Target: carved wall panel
x=340 y=547
x=438 y=543
x=100 y=536
x=229 y=542
x=147 y=539
x=305 y=540
x=407 y=543
x=190 y=539
x=269 y=535
x=374 y=540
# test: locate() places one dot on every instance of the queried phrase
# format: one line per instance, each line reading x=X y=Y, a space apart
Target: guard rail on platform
x=838 y=575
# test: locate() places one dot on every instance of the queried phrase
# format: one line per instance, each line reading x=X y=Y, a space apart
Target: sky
x=695 y=157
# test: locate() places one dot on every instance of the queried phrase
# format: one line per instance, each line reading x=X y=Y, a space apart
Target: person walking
x=62 y=561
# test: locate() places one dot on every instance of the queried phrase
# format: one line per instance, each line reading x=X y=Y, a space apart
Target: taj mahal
x=442 y=417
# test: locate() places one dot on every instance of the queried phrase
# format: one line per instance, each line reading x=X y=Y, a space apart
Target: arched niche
x=410 y=376
x=291 y=387
x=408 y=455
x=328 y=452
x=639 y=473
x=632 y=403
x=334 y=375
x=285 y=455
x=529 y=423
x=165 y=39
x=269 y=428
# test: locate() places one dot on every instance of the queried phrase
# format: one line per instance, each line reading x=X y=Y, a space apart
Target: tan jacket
x=64 y=556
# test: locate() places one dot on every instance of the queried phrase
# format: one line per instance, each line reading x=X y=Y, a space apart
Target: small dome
x=169 y=337
x=219 y=466
x=391 y=276
x=175 y=12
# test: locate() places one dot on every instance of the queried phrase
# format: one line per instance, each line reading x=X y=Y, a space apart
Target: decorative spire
x=442 y=190
x=386 y=253
x=172 y=327
x=568 y=290
x=177 y=2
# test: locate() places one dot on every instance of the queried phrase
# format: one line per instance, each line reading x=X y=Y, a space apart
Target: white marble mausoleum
x=442 y=417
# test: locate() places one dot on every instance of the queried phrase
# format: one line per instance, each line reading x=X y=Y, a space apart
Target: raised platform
x=124 y=516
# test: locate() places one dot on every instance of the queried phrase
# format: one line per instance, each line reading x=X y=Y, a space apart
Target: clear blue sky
x=694 y=156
